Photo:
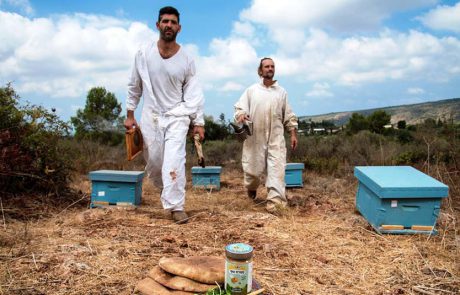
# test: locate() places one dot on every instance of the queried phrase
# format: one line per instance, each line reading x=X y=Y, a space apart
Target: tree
x=377 y=120
x=304 y=125
x=216 y=131
x=357 y=123
x=402 y=124
x=429 y=123
x=100 y=119
x=328 y=125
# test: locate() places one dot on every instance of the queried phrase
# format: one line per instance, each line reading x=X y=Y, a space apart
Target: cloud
x=229 y=58
x=306 y=45
x=243 y=29
x=321 y=90
x=415 y=91
x=443 y=18
x=343 y=15
x=357 y=60
x=231 y=86
x=66 y=55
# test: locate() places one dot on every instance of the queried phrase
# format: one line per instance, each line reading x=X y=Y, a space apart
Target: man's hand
x=199 y=130
x=130 y=120
x=293 y=139
x=242 y=118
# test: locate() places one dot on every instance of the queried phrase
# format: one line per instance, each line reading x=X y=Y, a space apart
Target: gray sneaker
x=179 y=217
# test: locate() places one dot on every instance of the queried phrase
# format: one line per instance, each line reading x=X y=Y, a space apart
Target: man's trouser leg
x=173 y=170
x=153 y=151
x=275 y=183
x=253 y=166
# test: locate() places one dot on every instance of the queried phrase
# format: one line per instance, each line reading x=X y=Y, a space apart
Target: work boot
x=252 y=194
x=179 y=217
x=276 y=208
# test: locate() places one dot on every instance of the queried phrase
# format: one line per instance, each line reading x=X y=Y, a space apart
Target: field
x=319 y=245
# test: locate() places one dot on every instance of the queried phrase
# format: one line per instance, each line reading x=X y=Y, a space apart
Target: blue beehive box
x=293 y=175
x=207 y=177
x=399 y=199
x=112 y=187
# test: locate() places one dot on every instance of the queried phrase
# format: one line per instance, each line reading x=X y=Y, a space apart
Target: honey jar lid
x=239 y=251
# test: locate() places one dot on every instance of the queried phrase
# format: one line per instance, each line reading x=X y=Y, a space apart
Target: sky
x=330 y=55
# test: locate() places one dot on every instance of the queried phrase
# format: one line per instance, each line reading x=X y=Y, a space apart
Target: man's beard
x=268 y=75
x=170 y=37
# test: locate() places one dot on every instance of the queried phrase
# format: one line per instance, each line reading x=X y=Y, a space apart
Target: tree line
x=101 y=120
x=37 y=148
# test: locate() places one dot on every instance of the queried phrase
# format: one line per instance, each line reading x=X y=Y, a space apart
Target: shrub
x=409 y=157
x=33 y=157
x=404 y=136
x=323 y=165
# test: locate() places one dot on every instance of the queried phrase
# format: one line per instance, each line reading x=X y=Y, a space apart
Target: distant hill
x=411 y=113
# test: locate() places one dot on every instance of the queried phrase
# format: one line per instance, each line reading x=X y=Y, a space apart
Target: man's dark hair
x=168 y=10
x=259 y=69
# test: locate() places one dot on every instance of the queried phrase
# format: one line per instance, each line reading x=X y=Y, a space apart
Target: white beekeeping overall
x=264 y=153
x=172 y=97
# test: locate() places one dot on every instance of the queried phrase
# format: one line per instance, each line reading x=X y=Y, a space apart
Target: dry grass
x=320 y=246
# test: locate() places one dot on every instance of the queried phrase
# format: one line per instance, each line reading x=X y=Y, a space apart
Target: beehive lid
x=295 y=166
x=207 y=169
x=116 y=175
x=400 y=181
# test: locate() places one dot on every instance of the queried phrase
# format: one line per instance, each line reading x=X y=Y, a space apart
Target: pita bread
x=148 y=286
x=204 y=269
x=178 y=283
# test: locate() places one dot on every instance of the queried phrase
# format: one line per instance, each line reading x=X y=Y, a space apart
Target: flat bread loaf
x=178 y=283
x=204 y=269
x=148 y=286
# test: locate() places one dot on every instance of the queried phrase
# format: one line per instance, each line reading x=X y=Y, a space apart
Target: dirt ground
x=320 y=245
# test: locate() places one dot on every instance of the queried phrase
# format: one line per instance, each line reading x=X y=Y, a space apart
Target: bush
x=404 y=136
x=323 y=165
x=33 y=157
x=409 y=157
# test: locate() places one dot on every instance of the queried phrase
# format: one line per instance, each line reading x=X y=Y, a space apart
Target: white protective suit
x=264 y=152
x=172 y=97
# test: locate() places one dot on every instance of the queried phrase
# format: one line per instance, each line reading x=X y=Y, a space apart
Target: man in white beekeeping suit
x=264 y=152
x=164 y=75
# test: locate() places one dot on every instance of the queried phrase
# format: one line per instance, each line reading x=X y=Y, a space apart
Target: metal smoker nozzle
x=242 y=131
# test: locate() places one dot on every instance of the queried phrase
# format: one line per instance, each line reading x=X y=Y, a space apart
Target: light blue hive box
x=399 y=199
x=293 y=174
x=113 y=187
x=207 y=177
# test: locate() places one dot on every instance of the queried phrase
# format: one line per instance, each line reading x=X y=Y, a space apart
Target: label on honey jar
x=238 y=277
x=238 y=268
